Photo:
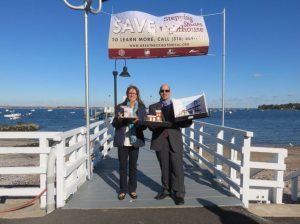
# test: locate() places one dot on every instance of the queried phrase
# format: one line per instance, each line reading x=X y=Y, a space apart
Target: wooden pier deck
x=202 y=189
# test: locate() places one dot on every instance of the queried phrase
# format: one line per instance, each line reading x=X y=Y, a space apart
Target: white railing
x=42 y=149
x=207 y=142
x=71 y=159
x=71 y=162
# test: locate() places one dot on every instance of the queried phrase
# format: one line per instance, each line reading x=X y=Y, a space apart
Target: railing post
x=232 y=172
x=60 y=179
x=96 y=130
x=104 y=153
x=81 y=152
x=87 y=153
x=43 y=143
x=72 y=158
x=277 y=192
x=217 y=162
x=192 y=134
x=245 y=173
x=201 y=142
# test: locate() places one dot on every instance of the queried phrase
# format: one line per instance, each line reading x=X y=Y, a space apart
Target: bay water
x=270 y=127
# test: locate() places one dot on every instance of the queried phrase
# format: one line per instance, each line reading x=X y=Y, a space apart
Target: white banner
x=136 y=34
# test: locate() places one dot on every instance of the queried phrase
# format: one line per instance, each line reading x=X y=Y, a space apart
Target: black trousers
x=124 y=153
x=171 y=165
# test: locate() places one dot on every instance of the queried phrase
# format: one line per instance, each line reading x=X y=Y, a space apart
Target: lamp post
x=86 y=7
x=124 y=73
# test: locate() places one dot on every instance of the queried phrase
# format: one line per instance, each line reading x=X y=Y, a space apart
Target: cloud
x=257 y=75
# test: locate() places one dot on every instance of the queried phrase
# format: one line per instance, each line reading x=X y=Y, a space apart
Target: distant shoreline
x=288 y=106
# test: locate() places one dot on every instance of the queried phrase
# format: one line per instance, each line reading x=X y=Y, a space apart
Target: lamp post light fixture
x=124 y=73
x=87 y=8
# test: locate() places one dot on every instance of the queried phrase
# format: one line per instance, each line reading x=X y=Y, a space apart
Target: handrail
x=239 y=177
x=233 y=130
x=70 y=155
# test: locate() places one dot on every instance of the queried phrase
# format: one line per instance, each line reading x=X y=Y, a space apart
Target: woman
x=128 y=138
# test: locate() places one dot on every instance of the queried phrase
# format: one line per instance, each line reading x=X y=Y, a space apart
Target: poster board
x=192 y=107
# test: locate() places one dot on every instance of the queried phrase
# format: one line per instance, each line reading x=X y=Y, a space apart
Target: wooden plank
x=227 y=129
x=264 y=183
x=267 y=166
x=23 y=170
x=25 y=150
x=74 y=147
x=269 y=150
x=22 y=191
x=27 y=134
x=74 y=165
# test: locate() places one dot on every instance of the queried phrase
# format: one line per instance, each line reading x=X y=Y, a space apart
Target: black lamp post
x=124 y=73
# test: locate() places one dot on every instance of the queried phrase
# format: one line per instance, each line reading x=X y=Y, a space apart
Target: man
x=167 y=142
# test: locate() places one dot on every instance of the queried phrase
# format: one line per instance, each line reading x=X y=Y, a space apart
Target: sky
x=42 y=54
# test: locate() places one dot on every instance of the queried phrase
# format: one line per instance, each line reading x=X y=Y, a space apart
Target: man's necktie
x=165 y=133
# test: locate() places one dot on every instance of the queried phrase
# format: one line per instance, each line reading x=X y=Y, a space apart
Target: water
x=270 y=127
x=56 y=120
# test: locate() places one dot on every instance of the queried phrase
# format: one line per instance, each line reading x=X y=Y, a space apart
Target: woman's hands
x=135 y=120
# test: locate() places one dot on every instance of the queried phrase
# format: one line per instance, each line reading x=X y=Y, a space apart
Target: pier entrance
x=202 y=188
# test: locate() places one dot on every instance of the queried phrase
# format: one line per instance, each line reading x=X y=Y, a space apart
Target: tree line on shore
x=288 y=106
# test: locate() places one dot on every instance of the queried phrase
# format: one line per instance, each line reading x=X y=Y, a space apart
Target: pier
x=217 y=163
x=202 y=188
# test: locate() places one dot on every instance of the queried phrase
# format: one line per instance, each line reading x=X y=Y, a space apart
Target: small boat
x=33 y=110
x=72 y=112
x=13 y=116
x=50 y=110
x=28 y=113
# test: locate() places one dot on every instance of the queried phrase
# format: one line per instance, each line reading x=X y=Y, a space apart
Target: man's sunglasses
x=164 y=90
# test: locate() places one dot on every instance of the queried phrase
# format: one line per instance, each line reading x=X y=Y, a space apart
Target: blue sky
x=42 y=54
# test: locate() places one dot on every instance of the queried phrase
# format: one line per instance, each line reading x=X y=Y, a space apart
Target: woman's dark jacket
x=121 y=124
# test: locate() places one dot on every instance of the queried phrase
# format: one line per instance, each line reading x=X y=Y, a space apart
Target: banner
x=136 y=34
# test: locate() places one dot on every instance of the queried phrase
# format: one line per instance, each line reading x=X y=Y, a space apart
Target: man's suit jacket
x=174 y=132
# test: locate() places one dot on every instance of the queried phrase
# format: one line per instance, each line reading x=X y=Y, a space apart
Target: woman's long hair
x=138 y=97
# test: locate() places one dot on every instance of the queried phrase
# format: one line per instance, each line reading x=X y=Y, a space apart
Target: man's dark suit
x=167 y=142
